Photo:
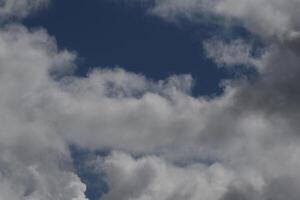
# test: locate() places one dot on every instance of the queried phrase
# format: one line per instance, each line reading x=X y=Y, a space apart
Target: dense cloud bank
x=243 y=144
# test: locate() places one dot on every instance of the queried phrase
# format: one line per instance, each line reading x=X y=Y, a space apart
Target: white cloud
x=247 y=139
x=152 y=178
x=251 y=129
x=34 y=161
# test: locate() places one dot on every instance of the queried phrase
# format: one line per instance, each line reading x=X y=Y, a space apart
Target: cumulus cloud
x=151 y=177
x=251 y=129
x=243 y=144
x=34 y=161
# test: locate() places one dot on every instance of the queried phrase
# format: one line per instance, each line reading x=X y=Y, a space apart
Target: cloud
x=34 y=161
x=237 y=52
x=19 y=9
x=266 y=18
x=243 y=143
x=250 y=130
x=173 y=10
x=152 y=178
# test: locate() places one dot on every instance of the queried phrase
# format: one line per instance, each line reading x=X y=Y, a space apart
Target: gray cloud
x=34 y=161
x=266 y=18
x=243 y=144
x=152 y=178
x=237 y=52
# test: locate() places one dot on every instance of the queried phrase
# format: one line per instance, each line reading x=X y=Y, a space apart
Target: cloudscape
x=161 y=139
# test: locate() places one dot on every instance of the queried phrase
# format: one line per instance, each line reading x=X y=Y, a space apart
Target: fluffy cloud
x=268 y=18
x=34 y=161
x=152 y=178
x=243 y=144
x=251 y=129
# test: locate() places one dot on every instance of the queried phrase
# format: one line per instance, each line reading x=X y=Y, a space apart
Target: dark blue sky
x=105 y=33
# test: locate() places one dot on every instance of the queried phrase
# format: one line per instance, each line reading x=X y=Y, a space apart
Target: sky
x=149 y=99
x=108 y=33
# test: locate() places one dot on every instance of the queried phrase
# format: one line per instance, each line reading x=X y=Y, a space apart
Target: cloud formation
x=243 y=144
x=34 y=161
x=268 y=18
x=152 y=178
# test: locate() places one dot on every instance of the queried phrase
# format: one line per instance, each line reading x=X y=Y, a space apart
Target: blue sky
x=109 y=34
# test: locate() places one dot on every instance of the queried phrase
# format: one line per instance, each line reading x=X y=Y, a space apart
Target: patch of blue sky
x=89 y=172
x=106 y=35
